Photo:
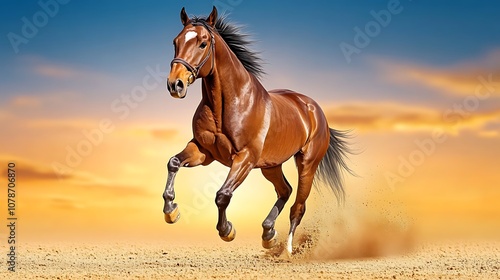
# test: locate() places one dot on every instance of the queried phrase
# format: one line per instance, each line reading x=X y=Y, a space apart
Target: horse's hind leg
x=283 y=189
x=307 y=163
x=191 y=156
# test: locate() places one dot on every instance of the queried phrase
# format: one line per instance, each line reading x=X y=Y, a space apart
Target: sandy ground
x=451 y=260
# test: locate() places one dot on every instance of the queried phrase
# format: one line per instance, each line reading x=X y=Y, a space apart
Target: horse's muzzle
x=177 y=89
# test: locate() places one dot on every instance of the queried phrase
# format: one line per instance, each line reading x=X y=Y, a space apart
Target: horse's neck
x=230 y=83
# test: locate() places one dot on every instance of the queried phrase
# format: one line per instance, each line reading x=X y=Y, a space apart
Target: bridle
x=195 y=70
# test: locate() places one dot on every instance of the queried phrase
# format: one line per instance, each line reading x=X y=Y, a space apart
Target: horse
x=243 y=126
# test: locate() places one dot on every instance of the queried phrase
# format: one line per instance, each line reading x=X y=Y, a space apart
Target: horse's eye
x=203 y=45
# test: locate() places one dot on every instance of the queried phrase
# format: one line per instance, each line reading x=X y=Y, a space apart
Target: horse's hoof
x=230 y=237
x=268 y=244
x=173 y=216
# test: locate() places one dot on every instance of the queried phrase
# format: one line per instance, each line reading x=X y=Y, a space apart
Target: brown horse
x=243 y=126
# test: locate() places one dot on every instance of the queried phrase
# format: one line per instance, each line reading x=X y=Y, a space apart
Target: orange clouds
x=379 y=116
x=30 y=171
x=477 y=77
x=25 y=101
x=164 y=133
x=476 y=83
x=80 y=182
x=400 y=117
x=56 y=71
x=156 y=131
x=29 y=103
x=63 y=72
x=64 y=203
x=70 y=124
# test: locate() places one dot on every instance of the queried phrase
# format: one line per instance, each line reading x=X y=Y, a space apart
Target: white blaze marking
x=190 y=35
x=289 y=244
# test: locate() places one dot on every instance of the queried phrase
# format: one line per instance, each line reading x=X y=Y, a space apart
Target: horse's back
x=299 y=100
x=309 y=110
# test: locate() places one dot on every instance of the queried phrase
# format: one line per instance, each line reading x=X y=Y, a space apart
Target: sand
x=450 y=260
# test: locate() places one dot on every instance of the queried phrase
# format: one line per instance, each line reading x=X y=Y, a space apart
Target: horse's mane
x=238 y=42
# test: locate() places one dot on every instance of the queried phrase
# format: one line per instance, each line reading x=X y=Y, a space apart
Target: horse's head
x=194 y=53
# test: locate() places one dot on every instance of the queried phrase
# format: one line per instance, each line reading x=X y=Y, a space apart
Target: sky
x=87 y=119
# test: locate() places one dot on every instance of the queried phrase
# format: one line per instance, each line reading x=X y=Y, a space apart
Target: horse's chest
x=208 y=135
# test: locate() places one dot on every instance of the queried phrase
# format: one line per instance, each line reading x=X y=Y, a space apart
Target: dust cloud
x=373 y=226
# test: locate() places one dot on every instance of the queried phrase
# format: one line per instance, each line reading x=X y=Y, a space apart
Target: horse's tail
x=330 y=168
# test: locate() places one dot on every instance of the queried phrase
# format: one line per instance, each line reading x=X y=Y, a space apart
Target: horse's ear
x=184 y=17
x=212 y=18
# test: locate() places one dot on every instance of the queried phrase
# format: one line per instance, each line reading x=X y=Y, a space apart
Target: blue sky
x=121 y=37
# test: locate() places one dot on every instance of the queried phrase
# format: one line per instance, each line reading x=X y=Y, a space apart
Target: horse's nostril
x=179 y=86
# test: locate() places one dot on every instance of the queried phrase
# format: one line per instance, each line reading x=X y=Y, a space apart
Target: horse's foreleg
x=283 y=190
x=240 y=168
x=191 y=156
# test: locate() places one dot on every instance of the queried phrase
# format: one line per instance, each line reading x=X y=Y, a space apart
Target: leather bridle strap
x=195 y=70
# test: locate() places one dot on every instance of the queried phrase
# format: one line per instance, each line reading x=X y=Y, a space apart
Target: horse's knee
x=173 y=164
x=223 y=198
